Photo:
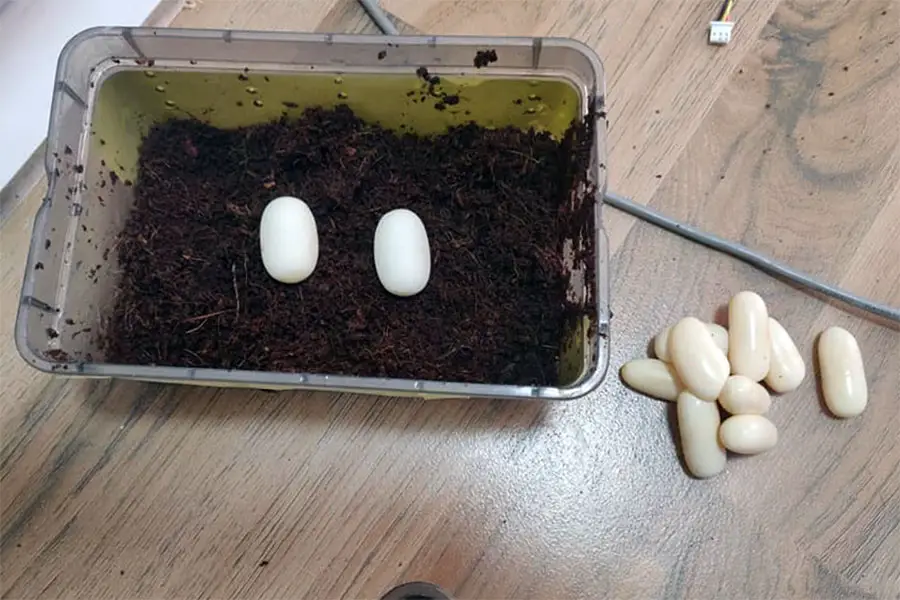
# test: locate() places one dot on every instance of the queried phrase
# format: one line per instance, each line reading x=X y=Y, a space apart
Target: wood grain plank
x=348 y=16
x=275 y=15
x=122 y=489
x=797 y=158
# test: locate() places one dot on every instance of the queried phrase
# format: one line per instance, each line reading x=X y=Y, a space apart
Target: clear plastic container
x=113 y=83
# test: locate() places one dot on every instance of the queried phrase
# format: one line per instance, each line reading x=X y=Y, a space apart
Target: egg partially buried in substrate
x=288 y=240
x=402 y=253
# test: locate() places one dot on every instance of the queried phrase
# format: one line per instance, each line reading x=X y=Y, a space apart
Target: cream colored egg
x=402 y=253
x=661 y=342
x=743 y=396
x=842 y=373
x=700 y=364
x=786 y=366
x=652 y=377
x=288 y=240
x=698 y=430
x=748 y=434
x=749 y=346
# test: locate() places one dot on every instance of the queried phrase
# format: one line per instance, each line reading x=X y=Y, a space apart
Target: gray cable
x=379 y=16
x=751 y=257
x=733 y=249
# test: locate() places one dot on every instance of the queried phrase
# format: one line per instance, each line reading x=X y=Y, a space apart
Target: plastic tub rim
x=303 y=381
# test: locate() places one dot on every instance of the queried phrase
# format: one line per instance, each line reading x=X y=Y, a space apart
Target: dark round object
x=417 y=590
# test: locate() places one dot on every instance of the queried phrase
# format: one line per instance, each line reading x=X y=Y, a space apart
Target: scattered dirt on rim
x=484 y=57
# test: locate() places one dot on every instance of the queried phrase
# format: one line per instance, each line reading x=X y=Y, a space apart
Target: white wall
x=32 y=33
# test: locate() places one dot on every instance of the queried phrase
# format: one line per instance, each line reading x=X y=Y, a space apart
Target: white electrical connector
x=720 y=32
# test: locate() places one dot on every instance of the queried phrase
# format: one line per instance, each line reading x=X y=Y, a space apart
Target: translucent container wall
x=114 y=83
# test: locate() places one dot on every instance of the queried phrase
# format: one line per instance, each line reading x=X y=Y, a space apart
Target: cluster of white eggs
x=289 y=244
x=703 y=366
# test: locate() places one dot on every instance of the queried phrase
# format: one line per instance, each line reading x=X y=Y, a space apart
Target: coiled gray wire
x=751 y=257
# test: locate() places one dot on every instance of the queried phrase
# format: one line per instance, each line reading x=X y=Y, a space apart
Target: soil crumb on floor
x=194 y=293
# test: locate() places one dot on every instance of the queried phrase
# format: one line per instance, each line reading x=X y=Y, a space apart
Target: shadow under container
x=114 y=83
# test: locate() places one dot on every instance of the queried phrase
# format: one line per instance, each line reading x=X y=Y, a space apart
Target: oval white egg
x=288 y=240
x=402 y=253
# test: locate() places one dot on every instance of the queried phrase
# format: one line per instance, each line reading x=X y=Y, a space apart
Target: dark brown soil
x=484 y=57
x=194 y=292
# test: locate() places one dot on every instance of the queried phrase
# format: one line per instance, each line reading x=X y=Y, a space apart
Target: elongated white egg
x=402 y=253
x=288 y=239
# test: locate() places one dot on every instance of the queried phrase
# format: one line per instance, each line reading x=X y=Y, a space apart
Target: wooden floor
x=788 y=140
